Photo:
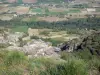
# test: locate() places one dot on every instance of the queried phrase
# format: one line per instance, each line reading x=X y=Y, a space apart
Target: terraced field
x=50 y=34
x=51 y=19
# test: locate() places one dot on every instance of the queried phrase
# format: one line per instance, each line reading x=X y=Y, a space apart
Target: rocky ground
x=31 y=47
x=36 y=47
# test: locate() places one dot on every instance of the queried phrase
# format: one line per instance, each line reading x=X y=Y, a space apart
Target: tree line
x=89 y=23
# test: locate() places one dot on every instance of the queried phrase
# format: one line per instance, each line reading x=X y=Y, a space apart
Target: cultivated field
x=29 y=1
x=50 y=34
x=3 y=9
x=51 y=19
x=22 y=10
x=6 y=17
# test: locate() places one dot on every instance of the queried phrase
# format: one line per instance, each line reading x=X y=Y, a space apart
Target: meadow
x=20 y=29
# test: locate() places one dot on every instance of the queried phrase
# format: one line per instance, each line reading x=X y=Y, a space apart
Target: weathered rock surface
x=70 y=45
x=36 y=48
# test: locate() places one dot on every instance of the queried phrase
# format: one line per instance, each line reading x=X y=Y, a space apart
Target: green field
x=53 y=13
x=20 y=1
x=37 y=10
x=41 y=11
x=65 y=12
x=20 y=29
x=74 y=11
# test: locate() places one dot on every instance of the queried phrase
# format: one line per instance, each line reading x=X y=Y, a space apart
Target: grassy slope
x=16 y=63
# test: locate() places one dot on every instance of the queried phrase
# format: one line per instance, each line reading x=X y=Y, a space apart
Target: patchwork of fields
x=50 y=34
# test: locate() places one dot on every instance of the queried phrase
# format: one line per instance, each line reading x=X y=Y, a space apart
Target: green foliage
x=73 y=31
x=38 y=10
x=85 y=54
x=14 y=58
x=93 y=62
x=66 y=56
x=74 y=63
x=10 y=72
x=89 y=23
x=80 y=6
x=20 y=29
x=37 y=65
x=71 y=67
x=53 y=41
x=15 y=63
x=3 y=53
x=12 y=63
x=74 y=11
x=46 y=10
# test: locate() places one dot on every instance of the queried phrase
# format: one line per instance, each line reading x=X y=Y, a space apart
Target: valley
x=49 y=37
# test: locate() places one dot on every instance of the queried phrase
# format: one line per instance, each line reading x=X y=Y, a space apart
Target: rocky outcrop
x=31 y=47
x=70 y=45
x=90 y=42
x=37 y=48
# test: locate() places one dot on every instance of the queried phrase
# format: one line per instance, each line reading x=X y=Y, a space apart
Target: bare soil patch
x=51 y=19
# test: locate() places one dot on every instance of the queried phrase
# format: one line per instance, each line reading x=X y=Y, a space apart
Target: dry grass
x=6 y=17
x=51 y=19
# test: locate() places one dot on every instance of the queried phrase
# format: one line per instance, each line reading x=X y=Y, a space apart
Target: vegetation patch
x=37 y=10
x=20 y=29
